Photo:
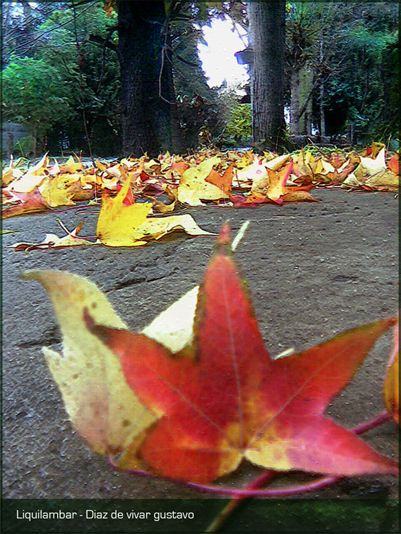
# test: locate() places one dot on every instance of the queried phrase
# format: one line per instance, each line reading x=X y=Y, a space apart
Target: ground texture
x=314 y=269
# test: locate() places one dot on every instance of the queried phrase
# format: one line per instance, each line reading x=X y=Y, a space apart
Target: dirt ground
x=314 y=269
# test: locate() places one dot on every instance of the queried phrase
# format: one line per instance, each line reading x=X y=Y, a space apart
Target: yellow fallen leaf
x=155 y=228
x=100 y=404
x=10 y=173
x=71 y=166
x=352 y=181
x=276 y=163
x=193 y=187
x=125 y=225
x=370 y=167
x=117 y=223
x=57 y=190
x=31 y=179
x=71 y=239
x=256 y=173
x=385 y=180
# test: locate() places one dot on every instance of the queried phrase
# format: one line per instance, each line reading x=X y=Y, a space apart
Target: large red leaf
x=231 y=400
x=392 y=380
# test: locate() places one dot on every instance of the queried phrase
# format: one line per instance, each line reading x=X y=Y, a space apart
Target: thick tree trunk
x=267 y=31
x=321 y=89
x=147 y=91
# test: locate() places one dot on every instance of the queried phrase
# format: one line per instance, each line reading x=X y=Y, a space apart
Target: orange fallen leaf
x=222 y=181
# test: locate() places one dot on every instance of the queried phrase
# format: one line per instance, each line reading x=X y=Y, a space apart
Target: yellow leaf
x=276 y=163
x=100 y=404
x=156 y=228
x=71 y=239
x=386 y=180
x=56 y=190
x=193 y=187
x=71 y=166
x=117 y=223
x=370 y=166
x=255 y=173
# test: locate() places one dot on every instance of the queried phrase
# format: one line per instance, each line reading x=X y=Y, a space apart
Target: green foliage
x=352 y=49
x=25 y=146
x=81 y=45
x=35 y=94
x=239 y=125
x=365 y=81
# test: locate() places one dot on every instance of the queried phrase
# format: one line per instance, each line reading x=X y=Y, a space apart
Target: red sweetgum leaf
x=31 y=202
x=232 y=401
x=394 y=164
x=392 y=381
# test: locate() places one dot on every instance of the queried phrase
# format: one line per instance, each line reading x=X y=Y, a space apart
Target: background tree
x=39 y=103
x=350 y=50
x=147 y=90
x=267 y=36
x=341 y=73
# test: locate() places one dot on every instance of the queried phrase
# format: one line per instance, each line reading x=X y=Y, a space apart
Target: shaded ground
x=314 y=269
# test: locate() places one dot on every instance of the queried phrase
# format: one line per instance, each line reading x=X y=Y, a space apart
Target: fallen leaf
x=118 y=222
x=222 y=181
x=31 y=179
x=174 y=327
x=101 y=406
x=193 y=187
x=122 y=223
x=156 y=228
x=370 y=166
x=392 y=381
x=384 y=181
x=277 y=183
x=71 y=166
x=71 y=239
x=232 y=401
x=57 y=190
x=394 y=164
x=298 y=194
x=32 y=202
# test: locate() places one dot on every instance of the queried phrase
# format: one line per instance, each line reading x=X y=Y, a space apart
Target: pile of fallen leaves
x=193 y=397
x=131 y=191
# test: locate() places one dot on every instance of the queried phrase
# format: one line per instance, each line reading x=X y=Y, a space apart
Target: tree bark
x=321 y=89
x=295 y=104
x=267 y=32
x=147 y=90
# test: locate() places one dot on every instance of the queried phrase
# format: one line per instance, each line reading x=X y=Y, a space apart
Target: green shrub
x=239 y=125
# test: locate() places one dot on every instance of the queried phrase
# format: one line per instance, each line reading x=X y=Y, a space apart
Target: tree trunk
x=305 y=101
x=267 y=32
x=147 y=91
x=295 y=104
x=321 y=89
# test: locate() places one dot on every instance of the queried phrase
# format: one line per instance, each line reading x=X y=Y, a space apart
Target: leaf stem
x=234 y=503
x=287 y=491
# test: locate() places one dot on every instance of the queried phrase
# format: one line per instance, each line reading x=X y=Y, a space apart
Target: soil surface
x=314 y=269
